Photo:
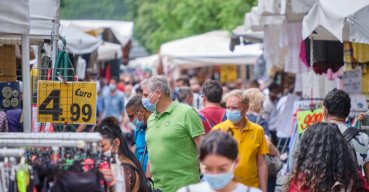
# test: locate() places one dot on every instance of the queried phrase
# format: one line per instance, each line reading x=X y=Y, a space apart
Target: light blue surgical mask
x=233 y=115
x=148 y=105
x=219 y=181
x=138 y=123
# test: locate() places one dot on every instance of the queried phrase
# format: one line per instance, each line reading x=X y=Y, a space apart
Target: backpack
x=349 y=134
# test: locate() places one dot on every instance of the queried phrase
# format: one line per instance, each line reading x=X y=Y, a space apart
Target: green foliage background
x=159 y=21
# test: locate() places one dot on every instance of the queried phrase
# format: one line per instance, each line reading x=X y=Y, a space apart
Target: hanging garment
x=274 y=54
x=327 y=55
x=291 y=37
x=360 y=52
x=3 y=122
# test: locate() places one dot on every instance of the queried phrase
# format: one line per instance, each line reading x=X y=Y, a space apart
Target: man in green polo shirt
x=173 y=133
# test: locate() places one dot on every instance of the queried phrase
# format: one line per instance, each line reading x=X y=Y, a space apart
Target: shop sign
x=228 y=73
x=307 y=118
x=352 y=81
x=70 y=102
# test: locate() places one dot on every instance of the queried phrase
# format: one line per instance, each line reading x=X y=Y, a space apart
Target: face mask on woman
x=219 y=181
x=109 y=152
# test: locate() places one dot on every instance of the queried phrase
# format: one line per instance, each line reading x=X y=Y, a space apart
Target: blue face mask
x=218 y=181
x=148 y=105
x=233 y=115
x=138 y=123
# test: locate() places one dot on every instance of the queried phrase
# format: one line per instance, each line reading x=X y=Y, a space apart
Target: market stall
x=207 y=50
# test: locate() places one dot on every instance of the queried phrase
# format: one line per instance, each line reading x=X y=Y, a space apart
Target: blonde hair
x=256 y=99
x=237 y=93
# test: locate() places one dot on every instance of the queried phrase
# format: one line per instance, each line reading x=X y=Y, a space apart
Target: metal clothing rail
x=86 y=137
x=11 y=152
x=41 y=143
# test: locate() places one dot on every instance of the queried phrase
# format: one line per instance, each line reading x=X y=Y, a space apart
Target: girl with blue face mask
x=218 y=158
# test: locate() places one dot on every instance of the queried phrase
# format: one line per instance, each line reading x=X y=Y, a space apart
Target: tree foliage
x=159 y=21
x=165 y=20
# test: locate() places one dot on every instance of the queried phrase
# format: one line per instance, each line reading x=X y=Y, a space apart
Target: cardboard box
x=8 y=65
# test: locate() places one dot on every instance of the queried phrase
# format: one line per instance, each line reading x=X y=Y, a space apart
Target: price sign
x=307 y=118
x=71 y=102
x=228 y=73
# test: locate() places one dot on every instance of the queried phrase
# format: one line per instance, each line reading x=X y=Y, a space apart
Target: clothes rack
x=11 y=152
x=87 y=137
x=41 y=143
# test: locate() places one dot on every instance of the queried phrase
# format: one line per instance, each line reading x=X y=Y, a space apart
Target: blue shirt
x=140 y=146
x=262 y=122
x=113 y=105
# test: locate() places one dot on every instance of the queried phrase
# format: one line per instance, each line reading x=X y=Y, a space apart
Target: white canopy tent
x=109 y=51
x=344 y=20
x=79 y=42
x=122 y=30
x=14 y=17
x=17 y=23
x=207 y=49
x=44 y=17
x=253 y=36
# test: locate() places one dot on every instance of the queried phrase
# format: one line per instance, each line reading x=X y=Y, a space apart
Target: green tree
x=160 y=21
x=164 y=20
x=92 y=9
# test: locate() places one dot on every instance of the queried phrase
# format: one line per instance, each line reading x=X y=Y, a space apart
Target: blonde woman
x=256 y=100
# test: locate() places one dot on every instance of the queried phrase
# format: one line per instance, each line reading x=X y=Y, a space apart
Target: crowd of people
x=192 y=138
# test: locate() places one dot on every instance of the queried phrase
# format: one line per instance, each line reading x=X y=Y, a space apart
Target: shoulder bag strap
x=350 y=133
x=143 y=156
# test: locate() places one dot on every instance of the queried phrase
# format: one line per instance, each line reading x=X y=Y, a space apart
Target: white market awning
x=336 y=16
x=122 y=30
x=253 y=36
x=44 y=14
x=79 y=42
x=14 y=17
x=208 y=49
x=109 y=51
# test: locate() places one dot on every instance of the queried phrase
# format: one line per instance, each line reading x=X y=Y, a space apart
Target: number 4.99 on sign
x=67 y=102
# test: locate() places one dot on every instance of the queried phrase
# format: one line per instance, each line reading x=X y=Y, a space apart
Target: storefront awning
x=336 y=16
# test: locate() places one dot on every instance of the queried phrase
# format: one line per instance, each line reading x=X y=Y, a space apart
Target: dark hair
x=213 y=91
x=218 y=143
x=135 y=102
x=138 y=90
x=338 y=103
x=110 y=129
x=182 y=93
x=185 y=80
x=324 y=158
x=273 y=86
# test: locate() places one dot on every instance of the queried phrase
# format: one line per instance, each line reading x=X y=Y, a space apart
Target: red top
x=211 y=116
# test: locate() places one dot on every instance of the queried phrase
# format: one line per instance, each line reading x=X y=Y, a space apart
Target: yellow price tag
x=307 y=118
x=71 y=102
x=228 y=73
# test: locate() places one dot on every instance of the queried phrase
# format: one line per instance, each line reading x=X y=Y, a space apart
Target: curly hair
x=338 y=103
x=325 y=157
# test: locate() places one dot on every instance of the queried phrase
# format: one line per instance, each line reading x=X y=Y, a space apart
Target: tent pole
x=55 y=38
x=27 y=96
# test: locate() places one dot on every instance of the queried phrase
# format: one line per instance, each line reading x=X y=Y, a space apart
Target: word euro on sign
x=71 y=102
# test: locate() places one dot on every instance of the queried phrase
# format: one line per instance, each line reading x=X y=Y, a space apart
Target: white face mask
x=109 y=152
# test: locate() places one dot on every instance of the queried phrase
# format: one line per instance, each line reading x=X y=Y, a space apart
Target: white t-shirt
x=204 y=187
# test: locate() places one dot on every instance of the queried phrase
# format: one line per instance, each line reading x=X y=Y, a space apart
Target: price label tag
x=307 y=118
x=228 y=73
x=71 y=102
